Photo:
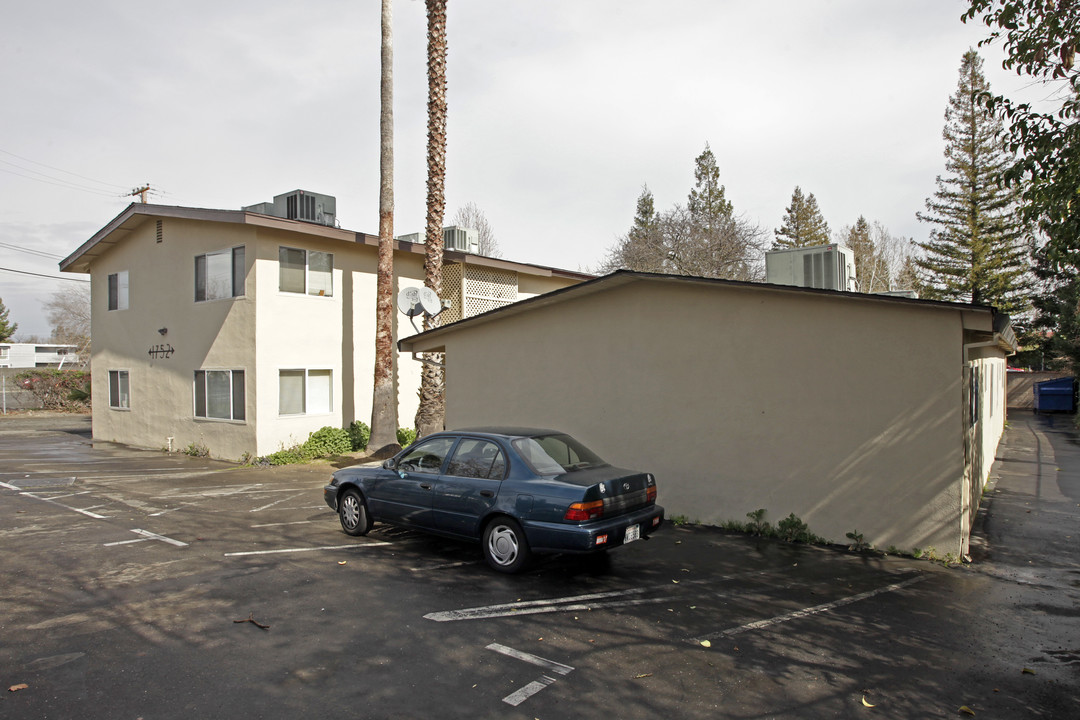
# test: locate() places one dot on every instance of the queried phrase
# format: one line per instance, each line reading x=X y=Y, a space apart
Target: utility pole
x=141 y=192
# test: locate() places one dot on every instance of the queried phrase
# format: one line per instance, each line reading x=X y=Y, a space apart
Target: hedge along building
x=243 y=332
x=854 y=412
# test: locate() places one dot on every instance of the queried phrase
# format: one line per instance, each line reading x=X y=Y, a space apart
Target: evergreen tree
x=975 y=253
x=707 y=205
x=646 y=218
x=871 y=263
x=7 y=328
x=803 y=224
x=705 y=238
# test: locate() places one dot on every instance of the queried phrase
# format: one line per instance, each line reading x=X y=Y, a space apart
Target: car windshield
x=555 y=454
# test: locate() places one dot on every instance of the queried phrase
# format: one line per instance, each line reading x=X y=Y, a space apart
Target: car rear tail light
x=650 y=494
x=580 y=512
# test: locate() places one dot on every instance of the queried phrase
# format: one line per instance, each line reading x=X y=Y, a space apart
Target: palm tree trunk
x=384 y=420
x=430 y=415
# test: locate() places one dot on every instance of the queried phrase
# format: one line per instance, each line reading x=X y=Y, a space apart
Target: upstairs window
x=306 y=271
x=118 y=291
x=219 y=275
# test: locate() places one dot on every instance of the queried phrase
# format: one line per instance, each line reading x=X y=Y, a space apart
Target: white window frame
x=123 y=290
x=236 y=284
x=313 y=379
x=123 y=402
x=308 y=289
x=235 y=403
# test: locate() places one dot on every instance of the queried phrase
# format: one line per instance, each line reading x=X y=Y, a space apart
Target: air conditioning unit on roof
x=828 y=267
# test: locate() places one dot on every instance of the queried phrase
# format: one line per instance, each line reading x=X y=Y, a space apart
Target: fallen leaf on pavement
x=17 y=688
x=866 y=704
x=642 y=675
x=1027 y=671
x=706 y=643
x=967 y=711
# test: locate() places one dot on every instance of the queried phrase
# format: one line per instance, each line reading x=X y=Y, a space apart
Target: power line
x=83 y=177
x=51 y=277
x=59 y=183
x=30 y=251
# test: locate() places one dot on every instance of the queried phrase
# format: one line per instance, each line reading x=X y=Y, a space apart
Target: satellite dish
x=413 y=301
x=430 y=301
x=408 y=301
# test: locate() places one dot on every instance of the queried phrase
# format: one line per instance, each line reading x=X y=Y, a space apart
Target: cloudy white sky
x=560 y=111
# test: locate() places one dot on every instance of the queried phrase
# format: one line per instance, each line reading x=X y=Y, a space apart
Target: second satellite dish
x=415 y=300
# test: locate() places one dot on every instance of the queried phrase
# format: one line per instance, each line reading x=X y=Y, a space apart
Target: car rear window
x=555 y=454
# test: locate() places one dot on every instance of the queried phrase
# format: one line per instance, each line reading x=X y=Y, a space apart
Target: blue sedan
x=518 y=491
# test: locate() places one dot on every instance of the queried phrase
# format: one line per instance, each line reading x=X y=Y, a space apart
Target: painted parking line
x=591 y=601
x=147 y=535
x=807 y=612
x=307 y=549
x=8 y=487
x=276 y=502
x=295 y=522
x=520 y=696
x=549 y=665
x=444 y=566
x=87 y=513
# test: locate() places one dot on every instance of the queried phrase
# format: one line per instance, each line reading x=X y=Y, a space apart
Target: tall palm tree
x=430 y=414
x=384 y=420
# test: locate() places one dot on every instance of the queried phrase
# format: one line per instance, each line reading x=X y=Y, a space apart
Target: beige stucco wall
x=847 y=414
x=208 y=335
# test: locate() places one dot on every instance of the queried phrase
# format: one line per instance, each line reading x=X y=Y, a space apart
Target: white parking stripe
x=154 y=536
x=276 y=502
x=9 y=487
x=297 y=522
x=528 y=691
x=308 y=549
x=807 y=612
x=66 y=507
x=550 y=665
x=563 y=604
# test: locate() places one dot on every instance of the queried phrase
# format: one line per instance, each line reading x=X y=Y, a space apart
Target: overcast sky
x=560 y=111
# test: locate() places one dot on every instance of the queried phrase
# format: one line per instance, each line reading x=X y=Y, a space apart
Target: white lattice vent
x=452 y=287
x=488 y=289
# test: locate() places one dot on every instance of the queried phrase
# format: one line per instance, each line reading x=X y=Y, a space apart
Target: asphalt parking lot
x=139 y=584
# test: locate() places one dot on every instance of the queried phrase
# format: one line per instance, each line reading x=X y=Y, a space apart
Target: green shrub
x=326 y=441
x=857 y=542
x=57 y=389
x=359 y=435
x=758 y=525
x=196 y=450
x=406 y=436
x=792 y=529
x=288 y=456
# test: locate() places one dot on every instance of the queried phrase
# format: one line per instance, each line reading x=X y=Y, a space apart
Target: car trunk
x=622 y=491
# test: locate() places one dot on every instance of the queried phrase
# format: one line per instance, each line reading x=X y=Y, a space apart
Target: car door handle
x=425 y=486
x=486 y=493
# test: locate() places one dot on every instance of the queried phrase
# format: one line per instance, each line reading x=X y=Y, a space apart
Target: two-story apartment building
x=37 y=355
x=242 y=331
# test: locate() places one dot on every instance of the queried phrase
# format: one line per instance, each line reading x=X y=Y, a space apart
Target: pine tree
x=7 y=328
x=646 y=218
x=871 y=265
x=803 y=224
x=707 y=205
x=976 y=252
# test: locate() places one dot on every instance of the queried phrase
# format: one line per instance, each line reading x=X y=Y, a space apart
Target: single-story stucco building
x=857 y=413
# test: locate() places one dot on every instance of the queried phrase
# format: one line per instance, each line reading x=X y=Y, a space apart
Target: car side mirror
x=388 y=464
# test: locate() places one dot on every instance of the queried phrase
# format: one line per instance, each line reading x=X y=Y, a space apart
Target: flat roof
x=428 y=341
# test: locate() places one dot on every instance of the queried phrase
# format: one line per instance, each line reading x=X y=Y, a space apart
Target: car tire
x=353 y=513
x=505 y=547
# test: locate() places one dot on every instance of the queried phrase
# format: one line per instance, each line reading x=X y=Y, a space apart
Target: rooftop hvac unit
x=300 y=205
x=460 y=239
x=829 y=267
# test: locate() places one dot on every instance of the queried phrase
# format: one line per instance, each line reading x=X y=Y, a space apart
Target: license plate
x=632 y=533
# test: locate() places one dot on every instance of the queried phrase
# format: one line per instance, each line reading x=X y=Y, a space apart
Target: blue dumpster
x=1056 y=395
